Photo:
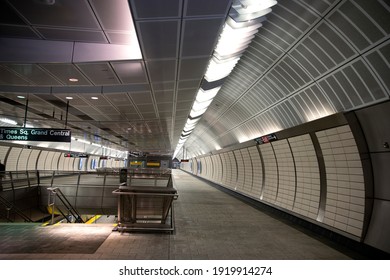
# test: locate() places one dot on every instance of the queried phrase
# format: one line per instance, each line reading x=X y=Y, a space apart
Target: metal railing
x=10 y=207
x=72 y=214
x=89 y=192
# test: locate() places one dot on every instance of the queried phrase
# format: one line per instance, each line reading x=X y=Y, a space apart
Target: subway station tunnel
x=283 y=105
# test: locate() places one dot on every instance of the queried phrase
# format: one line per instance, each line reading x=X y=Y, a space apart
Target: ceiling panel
x=17 y=31
x=163 y=96
x=186 y=94
x=141 y=97
x=159 y=39
x=194 y=68
x=9 y=77
x=161 y=70
x=72 y=35
x=105 y=9
x=99 y=73
x=121 y=38
x=145 y=108
x=66 y=71
x=65 y=13
x=156 y=8
x=130 y=71
x=34 y=73
x=200 y=36
x=163 y=86
x=206 y=7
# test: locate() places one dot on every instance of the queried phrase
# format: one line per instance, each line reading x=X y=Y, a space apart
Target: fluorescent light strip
x=245 y=18
x=8 y=121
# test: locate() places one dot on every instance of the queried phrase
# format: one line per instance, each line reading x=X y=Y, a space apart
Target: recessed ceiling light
x=73 y=80
x=69 y=97
x=21 y=96
x=94 y=97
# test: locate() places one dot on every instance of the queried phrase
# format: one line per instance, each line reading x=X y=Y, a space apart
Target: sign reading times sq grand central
x=35 y=134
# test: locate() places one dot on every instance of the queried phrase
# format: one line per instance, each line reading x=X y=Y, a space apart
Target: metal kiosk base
x=146 y=208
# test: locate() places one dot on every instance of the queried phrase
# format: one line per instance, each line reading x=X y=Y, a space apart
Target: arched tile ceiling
x=309 y=60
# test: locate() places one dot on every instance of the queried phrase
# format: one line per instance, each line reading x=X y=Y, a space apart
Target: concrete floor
x=210 y=225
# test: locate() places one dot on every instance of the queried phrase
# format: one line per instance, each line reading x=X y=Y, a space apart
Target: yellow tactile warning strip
x=93 y=219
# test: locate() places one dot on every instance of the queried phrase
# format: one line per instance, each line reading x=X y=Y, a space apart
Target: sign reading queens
x=35 y=134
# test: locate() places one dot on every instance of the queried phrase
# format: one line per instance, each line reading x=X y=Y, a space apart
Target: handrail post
x=51 y=200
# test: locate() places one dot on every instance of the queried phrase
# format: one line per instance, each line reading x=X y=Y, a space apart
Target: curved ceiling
x=308 y=60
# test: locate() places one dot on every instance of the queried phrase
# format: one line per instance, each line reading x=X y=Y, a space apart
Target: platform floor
x=210 y=225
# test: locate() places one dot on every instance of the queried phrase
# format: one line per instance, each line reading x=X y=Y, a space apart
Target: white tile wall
x=240 y=170
x=207 y=168
x=345 y=183
x=286 y=171
x=203 y=168
x=42 y=160
x=61 y=163
x=54 y=162
x=210 y=168
x=3 y=153
x=308 y=177
x=49 y=160
x=23 y=159
x=32 y=160
x=225 y=169
x=271 y=171
x=247 y=169
x=12 y=159
x=217 y=168
x=257 y=178
x=232 y=176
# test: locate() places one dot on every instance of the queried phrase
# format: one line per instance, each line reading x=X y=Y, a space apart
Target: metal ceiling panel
x=17 y=31
x=161 y=70
x=319 y=6
x=9 y=77
x=163 y=86
x=199 y=36
x=118 y=98
x=64 y=13
x=94 y=36
x=163 y=96
x=76 y=101
x=186 y=94
x=99 y=73
x=379 y=60
x=194 y=8
x=184 y=105
x=159 y=39
x=121 y=38
x=66 y=71
x=156 y=9
x=148 y=108
x=361 y=28
x=104 y=11
x=141 y=97
x=130 y=71
x=190 y=69
x=164 y=107
x=148 y=115
x=34 y=73
x=188 y=84
x=126 y=109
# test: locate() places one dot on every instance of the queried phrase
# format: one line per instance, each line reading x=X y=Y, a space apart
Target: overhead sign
x=266 y=138
x=77 y=155
x=35 y=134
